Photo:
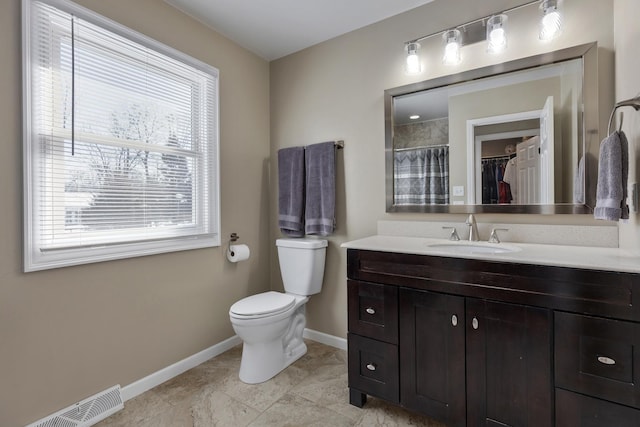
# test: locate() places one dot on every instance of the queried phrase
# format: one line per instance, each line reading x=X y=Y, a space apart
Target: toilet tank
x=302 y=264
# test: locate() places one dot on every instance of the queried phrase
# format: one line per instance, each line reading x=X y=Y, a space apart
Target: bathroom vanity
x=495 y=339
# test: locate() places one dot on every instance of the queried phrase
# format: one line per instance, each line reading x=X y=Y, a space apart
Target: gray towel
x=613 y=170
x=321 y=188
x=578 y=183
x=291 y=191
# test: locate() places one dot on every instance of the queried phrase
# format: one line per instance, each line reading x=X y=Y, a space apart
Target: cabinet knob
x=474 y=323
x=454 y=320
x=371 y=366
x=370 y=310
x=606 y=360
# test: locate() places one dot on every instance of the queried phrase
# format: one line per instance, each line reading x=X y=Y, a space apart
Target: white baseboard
x=147 y=383
x=326 y=339
x=150 y=381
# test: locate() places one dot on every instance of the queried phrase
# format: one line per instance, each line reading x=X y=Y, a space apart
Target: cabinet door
x=432 y=370
x=508 y=365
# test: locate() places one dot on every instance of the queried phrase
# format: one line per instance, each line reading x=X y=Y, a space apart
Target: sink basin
x=474 y=248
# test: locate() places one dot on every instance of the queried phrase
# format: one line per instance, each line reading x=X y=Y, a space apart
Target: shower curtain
x=421 y=176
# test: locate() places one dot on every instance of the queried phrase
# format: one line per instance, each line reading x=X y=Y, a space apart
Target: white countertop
x=595 y=258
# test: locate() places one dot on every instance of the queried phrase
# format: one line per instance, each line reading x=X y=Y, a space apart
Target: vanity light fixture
x=492 y=29
x=496 y=33
x=414 y=117
x=551 y=22
x=452 y=43
x=413 y=59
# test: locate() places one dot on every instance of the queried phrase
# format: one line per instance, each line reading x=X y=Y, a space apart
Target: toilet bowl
x=271 y=323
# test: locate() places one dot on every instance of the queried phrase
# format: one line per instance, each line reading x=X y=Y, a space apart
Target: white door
x=546 y=153
x=528 y=167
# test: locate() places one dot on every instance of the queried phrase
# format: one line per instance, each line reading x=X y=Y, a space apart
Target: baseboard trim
x=147 y=383
x=326 y=339
x=165 y=374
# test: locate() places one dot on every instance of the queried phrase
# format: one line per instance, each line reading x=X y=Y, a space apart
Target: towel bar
x=339 y=143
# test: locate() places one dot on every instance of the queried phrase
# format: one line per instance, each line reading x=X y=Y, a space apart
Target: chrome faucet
x=493 y=238
x=454 y=233
x=473 y=228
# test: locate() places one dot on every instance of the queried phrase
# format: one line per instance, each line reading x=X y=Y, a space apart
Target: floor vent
x=87 y=412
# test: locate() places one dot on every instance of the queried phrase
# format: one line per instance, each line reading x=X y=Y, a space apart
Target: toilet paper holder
x=232 y=239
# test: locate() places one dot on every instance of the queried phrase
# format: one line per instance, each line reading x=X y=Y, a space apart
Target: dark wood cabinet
x=372 y=342
x=508 y=365
x=598 y=357
x=483 y=343
x=374 y=369
x=467 y=361
x=577 y=410
x=373 y=310
x=432 y=354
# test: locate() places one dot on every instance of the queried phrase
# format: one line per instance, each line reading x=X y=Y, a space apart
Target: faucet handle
x=493 y=237
x=454 y=233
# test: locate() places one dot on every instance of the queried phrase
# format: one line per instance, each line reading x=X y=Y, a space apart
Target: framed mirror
x=509 y=138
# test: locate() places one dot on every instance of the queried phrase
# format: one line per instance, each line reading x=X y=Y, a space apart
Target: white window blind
x=120 y=141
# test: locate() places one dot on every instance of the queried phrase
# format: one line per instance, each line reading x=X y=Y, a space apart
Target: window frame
x=35 y=258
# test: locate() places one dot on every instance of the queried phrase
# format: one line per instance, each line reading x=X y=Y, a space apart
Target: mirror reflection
x=510 y=139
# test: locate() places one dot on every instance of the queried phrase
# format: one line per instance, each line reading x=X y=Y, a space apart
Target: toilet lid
x=263 y=304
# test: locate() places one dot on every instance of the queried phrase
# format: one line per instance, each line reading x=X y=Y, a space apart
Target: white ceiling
x=276 y=28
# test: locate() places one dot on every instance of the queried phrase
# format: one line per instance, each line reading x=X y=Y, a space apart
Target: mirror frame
x=589 y=55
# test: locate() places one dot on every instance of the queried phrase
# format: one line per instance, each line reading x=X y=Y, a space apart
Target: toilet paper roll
x=238 y=253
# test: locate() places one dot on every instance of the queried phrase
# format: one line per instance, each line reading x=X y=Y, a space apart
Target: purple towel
x=291 y=191
x=321 y=188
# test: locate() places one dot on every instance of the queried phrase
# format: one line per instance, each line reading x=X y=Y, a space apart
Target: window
x=120 y=141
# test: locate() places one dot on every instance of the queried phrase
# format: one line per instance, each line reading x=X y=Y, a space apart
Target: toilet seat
x=265 y=304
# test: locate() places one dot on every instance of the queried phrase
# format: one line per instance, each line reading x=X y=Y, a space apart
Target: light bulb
x=551 y=22
x=413 y=60
x=496 y=34
x=452 y=47
x=497 y=37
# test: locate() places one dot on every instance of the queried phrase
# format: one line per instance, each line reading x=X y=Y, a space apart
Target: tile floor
x=311 y=392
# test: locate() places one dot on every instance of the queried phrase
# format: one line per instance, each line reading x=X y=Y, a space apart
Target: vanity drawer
x=373 y=310
x=576 y=410
x=598 y=357
x=373 y=367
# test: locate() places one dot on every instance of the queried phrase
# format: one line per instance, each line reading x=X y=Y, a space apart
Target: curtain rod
x=421 y=147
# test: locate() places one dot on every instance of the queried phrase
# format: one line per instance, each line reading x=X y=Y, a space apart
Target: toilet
x=270 y=324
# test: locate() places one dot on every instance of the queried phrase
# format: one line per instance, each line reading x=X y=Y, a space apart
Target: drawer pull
x=606 y=360
x=370 y=310
x=454 y=320
x=371 y=366
x=474 y=323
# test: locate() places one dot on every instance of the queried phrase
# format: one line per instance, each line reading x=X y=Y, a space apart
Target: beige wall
x=627 y=36
x=69 y=333
x=335 y=90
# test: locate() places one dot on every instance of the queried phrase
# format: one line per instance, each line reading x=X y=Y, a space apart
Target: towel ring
x=633 y=102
